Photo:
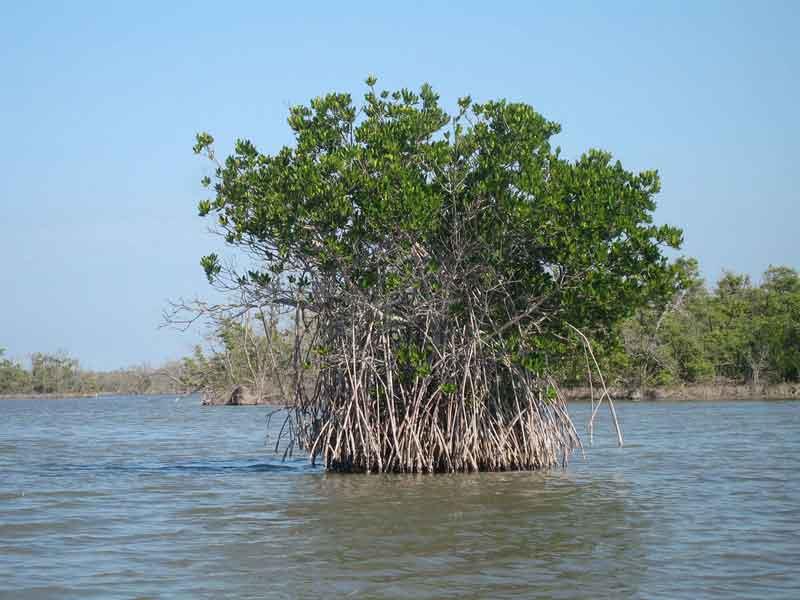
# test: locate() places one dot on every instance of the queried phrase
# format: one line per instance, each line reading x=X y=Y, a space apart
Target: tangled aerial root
x=464 y=411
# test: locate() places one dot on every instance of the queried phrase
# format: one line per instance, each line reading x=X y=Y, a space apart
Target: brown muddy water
x=163 y=498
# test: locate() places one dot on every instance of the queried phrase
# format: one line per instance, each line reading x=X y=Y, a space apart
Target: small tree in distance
x=438 y=268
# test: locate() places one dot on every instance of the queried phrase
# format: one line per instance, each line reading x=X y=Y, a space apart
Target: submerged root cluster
x=379 y=404
x=441 y=372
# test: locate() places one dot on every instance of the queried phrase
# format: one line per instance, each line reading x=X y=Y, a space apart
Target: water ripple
x=151 y=498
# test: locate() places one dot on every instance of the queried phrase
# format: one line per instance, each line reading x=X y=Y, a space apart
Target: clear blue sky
x=100 y=103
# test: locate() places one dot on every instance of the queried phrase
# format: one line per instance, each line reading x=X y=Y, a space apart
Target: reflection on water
x=156 y=498
x=460 y=536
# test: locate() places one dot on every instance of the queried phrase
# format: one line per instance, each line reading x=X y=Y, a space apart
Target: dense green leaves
x=13 y=377
x=368 y=191
x=737 y=333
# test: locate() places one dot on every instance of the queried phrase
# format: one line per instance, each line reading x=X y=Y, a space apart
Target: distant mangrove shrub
x=438 y=269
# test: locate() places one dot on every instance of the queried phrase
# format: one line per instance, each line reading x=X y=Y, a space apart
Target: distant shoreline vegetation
x=83 y=395
x=734 y=334
x=60 y=375
x=714 y=392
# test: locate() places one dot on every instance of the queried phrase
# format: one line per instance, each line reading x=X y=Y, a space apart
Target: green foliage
x=53 y=373
x=738 y=333
x=13 y=377
x=239 y=353
x=368 y=190
x=211 y=266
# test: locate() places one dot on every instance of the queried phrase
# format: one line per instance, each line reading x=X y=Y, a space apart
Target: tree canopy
x=365 y=185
